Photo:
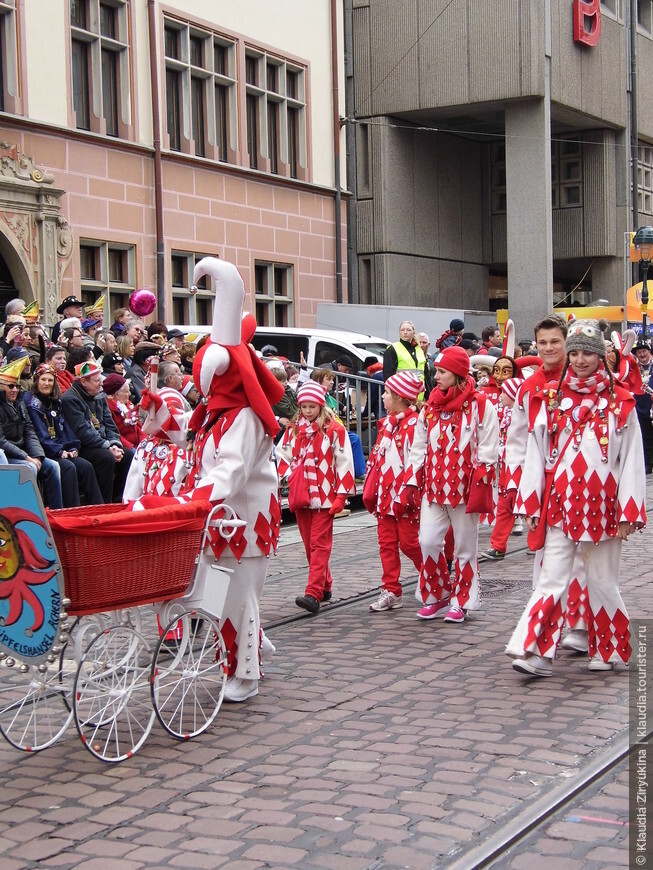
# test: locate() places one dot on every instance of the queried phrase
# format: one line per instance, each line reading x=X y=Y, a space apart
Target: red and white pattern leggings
x=539 y=628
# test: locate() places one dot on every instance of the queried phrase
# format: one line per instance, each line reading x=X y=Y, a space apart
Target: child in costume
x=584 y=479
x=397 y=526
x=454 y=453
x=319 y=442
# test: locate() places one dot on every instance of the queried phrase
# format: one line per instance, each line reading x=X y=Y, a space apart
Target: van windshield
x=371 y=347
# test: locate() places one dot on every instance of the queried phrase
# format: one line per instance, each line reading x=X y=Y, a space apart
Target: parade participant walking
x=397 y=527
x=505 y=518
x=451 y=461
x=584 y=482
x=316 y=448
x=232 y=462
x=162 y=460
x=644 y=405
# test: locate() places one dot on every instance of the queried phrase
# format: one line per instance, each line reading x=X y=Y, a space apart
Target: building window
x=566 y=174
x=612 y=7
x=498 y=176
x=193 y=309
x=645 y=15
x=10 y=100
x=274 y=294
x=276 y=114
x=109 y=269
x=645 y=180
x=99 y=34
x=200 y=92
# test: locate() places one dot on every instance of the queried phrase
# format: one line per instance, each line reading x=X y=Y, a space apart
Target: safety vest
x=406 y=361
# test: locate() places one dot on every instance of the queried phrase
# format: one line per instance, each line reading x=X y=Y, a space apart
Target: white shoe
x=386 y=601
x=576 y=640
x=597 y=664
x=534 y=666
x=267 y=649
x=518 y=528
x=238 y=690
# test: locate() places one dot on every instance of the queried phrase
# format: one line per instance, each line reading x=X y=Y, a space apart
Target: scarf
x=453 y=398
x=306 y=434
x=590 y=388
x=390 y=424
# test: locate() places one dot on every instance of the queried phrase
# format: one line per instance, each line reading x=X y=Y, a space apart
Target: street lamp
x=643 y=242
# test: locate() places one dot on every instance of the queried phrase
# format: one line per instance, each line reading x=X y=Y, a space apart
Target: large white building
x=139 y=135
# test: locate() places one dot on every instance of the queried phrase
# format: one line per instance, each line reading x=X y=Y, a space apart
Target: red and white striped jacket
x=392 y=463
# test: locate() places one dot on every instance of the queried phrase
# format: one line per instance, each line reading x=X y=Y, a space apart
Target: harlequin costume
x=505 y=518
x=232 y=462
x=456 y=432
x=589 y=442
x=162 y=460
x=329 y=469
x=397 y=528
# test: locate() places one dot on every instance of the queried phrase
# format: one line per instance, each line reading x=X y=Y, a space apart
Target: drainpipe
x=350 y=140
x=336 y=148
x=158 y=171
x=634 y=142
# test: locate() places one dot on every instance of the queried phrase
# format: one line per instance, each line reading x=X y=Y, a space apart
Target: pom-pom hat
x=86 y=369
x=311 y=392
x=454 y=360
x=511 y=387
x=406 y=383
x=587 y=336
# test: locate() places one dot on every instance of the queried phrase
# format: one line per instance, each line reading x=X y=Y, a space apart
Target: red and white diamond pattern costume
x=233 y=463
x=443 y=462
x=589 y=498
x=161 y=462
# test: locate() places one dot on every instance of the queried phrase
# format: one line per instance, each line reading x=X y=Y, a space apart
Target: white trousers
x=435 y=583
x=240 y=623
x=539 y=628
x=577 y=614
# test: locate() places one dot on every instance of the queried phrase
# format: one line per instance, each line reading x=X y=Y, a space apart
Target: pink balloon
x=142 y=302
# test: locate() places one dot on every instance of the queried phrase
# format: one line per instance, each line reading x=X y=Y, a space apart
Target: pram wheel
x=112 y=706
x=189 y=675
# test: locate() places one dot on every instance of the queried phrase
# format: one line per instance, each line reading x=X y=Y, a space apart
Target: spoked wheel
x=34 y=704
x=189 y=676
x=111 y=699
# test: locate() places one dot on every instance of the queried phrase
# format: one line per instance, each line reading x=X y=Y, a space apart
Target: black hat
x=69 y=300
x=345 y=360
x=268 y=350
x=109 y=360
x=176 y=333
x=16 y=353
x=641 y=345
x=457 y=325
x=468 y=344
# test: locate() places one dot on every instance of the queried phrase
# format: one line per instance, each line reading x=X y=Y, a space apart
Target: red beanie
x=454 y=360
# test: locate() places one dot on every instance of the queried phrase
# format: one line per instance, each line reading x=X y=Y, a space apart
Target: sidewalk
x=377 y=740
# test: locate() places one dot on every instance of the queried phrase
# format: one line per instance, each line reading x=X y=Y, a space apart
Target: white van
x=319 y=346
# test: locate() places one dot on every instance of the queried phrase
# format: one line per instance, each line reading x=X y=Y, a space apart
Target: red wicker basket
x=112 y=557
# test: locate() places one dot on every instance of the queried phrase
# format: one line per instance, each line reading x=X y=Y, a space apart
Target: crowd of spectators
x=69 y=396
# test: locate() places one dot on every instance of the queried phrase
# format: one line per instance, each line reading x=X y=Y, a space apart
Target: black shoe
x=307 y=602
x=327 y=596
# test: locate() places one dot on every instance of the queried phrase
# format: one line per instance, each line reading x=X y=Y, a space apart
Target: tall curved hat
x=227 y=372
x=96 y=310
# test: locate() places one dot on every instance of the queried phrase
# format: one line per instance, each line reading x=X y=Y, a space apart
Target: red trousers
x=505 y=520
x=316 y=529
x=395 y=534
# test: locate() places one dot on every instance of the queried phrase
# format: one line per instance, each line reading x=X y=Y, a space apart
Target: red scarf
x=453 y=398
x=306 y=434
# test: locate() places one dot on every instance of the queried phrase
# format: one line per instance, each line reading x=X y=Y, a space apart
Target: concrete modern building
x=138 y=135
x=490 y=150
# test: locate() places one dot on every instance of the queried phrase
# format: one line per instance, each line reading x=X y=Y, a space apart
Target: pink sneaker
x=455 y=614
x=433 y=611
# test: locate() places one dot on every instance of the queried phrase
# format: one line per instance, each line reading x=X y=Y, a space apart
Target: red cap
x=454 y=360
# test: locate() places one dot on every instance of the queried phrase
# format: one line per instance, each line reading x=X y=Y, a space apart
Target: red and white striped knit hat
x=313 y=392
x=407 y=384
x=511 y=387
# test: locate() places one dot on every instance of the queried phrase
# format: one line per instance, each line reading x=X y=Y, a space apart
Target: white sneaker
x=238 y=690
x=386 y=601
x=597 y=664
x=534 y=666
x=576 y=640
x=267 y=648
x=518 y=528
